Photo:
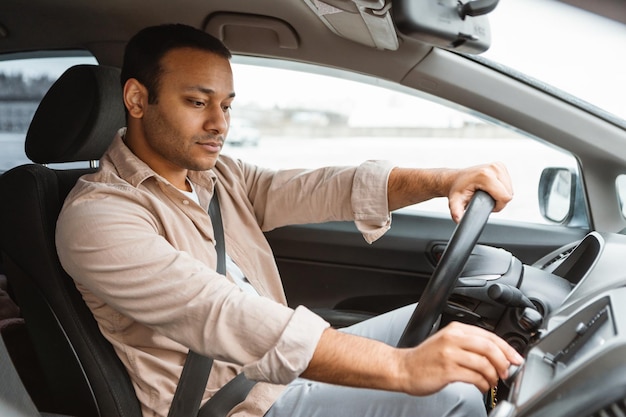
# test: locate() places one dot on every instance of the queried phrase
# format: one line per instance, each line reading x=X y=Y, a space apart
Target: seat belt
x=195 y=374
x=191 y=386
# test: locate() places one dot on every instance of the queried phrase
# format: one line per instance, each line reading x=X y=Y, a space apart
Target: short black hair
x=142 y=57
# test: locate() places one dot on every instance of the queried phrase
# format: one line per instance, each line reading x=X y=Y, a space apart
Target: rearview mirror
x=561 y=197
x=448 y=24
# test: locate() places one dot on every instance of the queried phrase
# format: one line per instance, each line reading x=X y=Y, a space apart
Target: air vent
x=617 y=409
x=558 y=258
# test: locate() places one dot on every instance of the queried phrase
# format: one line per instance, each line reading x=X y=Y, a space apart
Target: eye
x=196 y=103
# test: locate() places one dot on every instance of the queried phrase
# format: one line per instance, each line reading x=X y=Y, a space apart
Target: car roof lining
x=259 y=35
x=245 y=26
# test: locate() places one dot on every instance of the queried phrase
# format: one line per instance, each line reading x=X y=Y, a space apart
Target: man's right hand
x=457 y=353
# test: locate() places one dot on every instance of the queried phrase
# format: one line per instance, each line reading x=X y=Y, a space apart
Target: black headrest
x=78 y=116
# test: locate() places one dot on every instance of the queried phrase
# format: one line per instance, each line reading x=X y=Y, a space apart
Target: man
x=147 y=266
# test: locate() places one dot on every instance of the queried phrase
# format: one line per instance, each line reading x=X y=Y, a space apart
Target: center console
x=578 y=367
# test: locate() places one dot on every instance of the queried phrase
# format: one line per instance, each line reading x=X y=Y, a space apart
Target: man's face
x=185 y=129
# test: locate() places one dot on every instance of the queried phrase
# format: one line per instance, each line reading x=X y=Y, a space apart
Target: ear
x=135 y=98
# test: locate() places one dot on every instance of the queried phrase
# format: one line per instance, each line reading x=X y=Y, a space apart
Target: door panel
x=330 y=268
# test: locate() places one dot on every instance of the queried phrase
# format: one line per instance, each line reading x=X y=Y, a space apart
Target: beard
x=174 y=146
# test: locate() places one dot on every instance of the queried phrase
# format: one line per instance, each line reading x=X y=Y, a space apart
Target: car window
x=23 y=83
x=543 y=54
x=305 y=116
x=314 y=117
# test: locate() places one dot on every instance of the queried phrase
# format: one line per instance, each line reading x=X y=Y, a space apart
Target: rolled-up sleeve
x=369 y=199
x=288 y=197
x=293 y=352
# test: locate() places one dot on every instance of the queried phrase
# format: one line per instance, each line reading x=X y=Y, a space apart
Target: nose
x=217 y=120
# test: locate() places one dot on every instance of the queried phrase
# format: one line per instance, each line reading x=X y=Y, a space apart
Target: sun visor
x=367 y=22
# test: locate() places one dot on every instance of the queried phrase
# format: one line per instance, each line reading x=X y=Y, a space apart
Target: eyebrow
x=206 y=90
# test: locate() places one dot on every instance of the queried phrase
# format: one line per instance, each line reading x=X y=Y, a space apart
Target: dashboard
x=576 y=366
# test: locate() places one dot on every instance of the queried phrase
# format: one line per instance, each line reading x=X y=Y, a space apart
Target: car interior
x=47 y=296
x=554 y=291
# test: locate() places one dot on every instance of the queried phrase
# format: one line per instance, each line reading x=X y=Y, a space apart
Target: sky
x=574 y=50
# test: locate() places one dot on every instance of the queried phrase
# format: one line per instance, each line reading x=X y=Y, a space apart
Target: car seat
x=15 y=401
x=75 y=121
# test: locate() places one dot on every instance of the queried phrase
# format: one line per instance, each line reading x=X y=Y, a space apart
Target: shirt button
x=186 y=202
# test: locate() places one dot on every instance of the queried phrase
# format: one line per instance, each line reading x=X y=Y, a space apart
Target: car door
x=329 y=267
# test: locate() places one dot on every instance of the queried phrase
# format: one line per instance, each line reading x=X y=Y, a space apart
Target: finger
x=485 y=373
x=477 y=370
x=482 y=342
x=509 y=352
x=491 y=178
x=499 y=186
x=501 y=195
x=444 y=361
x=457 y=205
x=504 y=177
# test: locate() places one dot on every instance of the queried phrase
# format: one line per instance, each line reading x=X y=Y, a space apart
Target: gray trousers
x=305 y=398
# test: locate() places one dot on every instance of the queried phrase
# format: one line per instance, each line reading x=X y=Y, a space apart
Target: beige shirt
x=143 y=256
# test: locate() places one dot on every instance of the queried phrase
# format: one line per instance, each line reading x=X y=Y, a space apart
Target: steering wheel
x=448 y=270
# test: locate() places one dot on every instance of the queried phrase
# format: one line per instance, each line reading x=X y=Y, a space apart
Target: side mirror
x=448 y=24
x=561 y=197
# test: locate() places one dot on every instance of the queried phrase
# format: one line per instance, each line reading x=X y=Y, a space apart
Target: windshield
x=567 y=47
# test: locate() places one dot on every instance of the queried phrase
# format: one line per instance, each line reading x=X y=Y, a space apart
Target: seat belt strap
x=231 y=394
x=218 y=232
x=195 y=374
x=191 y=386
